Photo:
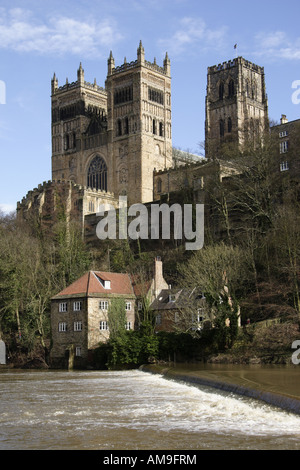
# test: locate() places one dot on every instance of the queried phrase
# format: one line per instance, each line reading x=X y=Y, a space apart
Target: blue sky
x=38 y=38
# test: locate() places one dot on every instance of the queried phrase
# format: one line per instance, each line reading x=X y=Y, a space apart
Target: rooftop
x=95 y=283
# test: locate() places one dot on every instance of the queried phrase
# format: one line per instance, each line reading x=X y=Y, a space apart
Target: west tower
x=111 y=139
x=236 y=105
x=139 y=124
x=79 y=132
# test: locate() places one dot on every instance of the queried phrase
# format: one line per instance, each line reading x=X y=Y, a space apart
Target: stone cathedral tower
x=111 y=139
x=236 y=105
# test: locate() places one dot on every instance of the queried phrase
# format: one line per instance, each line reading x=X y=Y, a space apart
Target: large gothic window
x=97 y=174
x=231 y=89
x=222 y=128
x=221 y=91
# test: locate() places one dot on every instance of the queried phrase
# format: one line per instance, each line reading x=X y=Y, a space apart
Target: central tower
x=139 y=124
x=236 y=105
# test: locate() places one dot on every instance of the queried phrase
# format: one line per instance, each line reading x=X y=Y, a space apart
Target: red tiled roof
x=90 y=283
x=140 y=288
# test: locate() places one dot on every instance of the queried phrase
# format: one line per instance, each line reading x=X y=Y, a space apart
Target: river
x=134 y=410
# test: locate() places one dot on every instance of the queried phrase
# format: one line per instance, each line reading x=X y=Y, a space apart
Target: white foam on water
x=58 y=407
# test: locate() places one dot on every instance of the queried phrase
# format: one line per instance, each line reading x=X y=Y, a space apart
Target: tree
x=285 y=242
x=222 y=273
x=71 y=255
x=218 y=270
x=116 y=318
x=20 y=284
x=128 y=347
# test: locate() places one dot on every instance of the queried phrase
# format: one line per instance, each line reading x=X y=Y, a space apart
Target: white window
x=103 y=304
x=128 y=325
x=172 y=298
x=128 y=306
x=284 y=166
x=284 y=146
x=140 y=305
x=158 y=319
x=76 y=306
x=63 y=307
x=176 y=317
x=198 y=317
x=62 y=326
x=77 y=326
x=103 y=325
x=78 y=351
x=283 y=134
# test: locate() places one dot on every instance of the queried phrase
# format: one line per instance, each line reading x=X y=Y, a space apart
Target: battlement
x=70 y=86
x=46 y=185
x=131 y=65
x=80 y=82
x=233 y=63
x=113 y=70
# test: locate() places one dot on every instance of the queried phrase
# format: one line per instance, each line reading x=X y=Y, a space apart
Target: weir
x=202 y=378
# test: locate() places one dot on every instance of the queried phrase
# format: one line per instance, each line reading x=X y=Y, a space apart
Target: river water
x=133 y=410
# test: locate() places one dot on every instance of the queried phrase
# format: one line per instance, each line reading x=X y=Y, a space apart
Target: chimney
x=283 y=119
x=159 y=282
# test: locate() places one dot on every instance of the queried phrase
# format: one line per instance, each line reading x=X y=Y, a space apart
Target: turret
x=141 y=54
x=54 y=84
x=80 y=75
x=167 y=65
x=110 y=64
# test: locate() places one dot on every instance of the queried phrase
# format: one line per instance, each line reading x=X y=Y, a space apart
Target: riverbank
x=276 y=385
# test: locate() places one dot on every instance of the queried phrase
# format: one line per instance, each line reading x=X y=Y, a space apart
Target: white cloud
x=7 y=208
x=278 y=44
x=194 y=32
x=21 y=31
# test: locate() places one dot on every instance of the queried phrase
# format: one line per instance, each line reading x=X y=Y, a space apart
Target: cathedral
x=117 y=141
x=111 y=139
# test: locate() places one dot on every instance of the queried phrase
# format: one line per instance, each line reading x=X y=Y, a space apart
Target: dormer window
x=172 y=298
x=104 y=282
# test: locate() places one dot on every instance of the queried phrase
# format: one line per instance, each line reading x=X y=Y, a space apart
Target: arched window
x=221 y=91
x=222 y=129
x=159 y=185
x=231 y=88
x=247 y=89
x=229 y=124
x=126 y=126
x=161 y=129
x=154 y=126
x=66 y=142
x=119 y=128
x=97 y=174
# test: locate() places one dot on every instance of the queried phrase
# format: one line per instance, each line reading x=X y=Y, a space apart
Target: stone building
x=236 y=108
x=51 y=201
x=79 y=313
x=117 y=141
x=181 y=310
x=287 y=138
x=196 y=177
x=79 y=316
x=112 y=138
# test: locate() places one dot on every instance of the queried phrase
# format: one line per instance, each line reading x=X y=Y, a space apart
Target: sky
x=38 y=38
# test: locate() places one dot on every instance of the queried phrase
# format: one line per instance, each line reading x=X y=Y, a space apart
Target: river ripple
x=133 y=410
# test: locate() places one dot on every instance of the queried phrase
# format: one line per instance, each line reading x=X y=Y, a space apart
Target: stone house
x=79 y=313
x=79 y=316
x=181 y=309
x=287 y=138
